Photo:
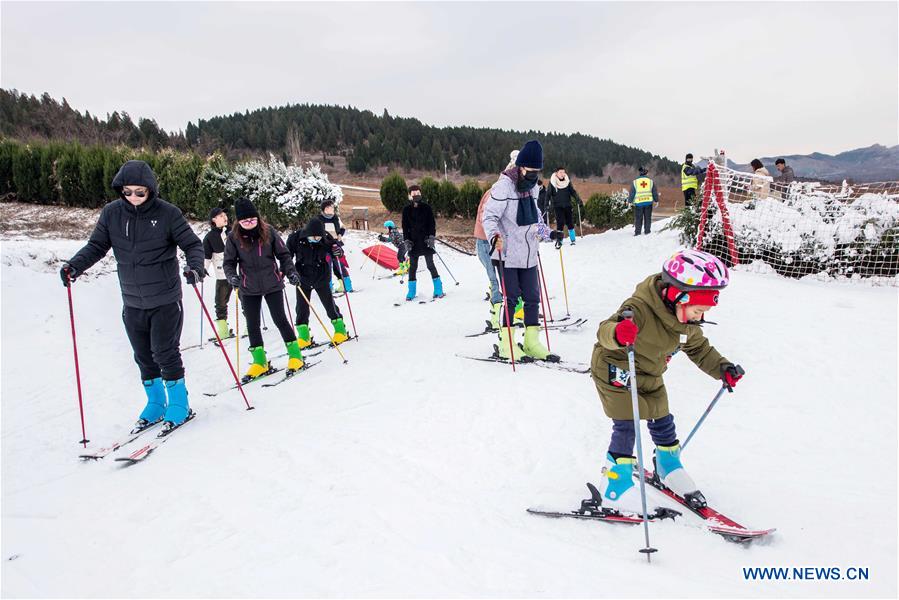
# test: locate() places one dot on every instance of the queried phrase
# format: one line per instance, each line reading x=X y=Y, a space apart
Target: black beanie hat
x=215 y=212
x=689 y=156
x=244 y=209
x=314 y=228
x=530 y=155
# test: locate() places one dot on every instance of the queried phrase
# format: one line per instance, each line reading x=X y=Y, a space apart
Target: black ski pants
x=155 y=336
x=252 y=310
x=429 y=260
x=564 y=217
x=324 y=294
x=526 y=284
x=689 y=195
x=222 y=295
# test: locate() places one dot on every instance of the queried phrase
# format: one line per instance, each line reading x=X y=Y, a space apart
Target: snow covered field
x=407 y=472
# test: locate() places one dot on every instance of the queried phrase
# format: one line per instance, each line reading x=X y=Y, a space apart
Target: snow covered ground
x=407 y=472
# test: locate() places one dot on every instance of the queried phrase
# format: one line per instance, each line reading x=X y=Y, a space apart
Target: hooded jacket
x=518 y=225
x=661 y=335
x=259 y=273
x=311 y=258
x=144 y=240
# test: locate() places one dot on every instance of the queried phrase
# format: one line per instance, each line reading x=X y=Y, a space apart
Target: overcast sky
x=754 y=78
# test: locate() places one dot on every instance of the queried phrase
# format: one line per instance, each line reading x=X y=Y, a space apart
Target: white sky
x=670 y=77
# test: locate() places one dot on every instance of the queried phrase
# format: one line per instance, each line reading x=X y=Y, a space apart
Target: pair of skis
x=553 y=362
x=561 y=325
x=714 y=521
x=144 y=451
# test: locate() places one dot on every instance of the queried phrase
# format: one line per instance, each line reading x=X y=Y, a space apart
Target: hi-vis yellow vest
x=643 y=185
x=687 y=181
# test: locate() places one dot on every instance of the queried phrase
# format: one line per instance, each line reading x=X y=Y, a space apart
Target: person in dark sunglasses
x=145 y=232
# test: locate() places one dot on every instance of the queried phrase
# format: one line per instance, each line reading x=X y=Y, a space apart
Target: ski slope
x=407 y=471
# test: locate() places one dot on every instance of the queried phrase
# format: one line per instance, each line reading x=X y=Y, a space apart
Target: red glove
x=731 y=374
x=626 y=332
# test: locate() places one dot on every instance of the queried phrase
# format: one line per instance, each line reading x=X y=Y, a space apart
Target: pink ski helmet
x=694 y=270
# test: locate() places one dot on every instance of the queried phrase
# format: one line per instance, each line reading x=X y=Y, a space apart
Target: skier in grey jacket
x=514 y=226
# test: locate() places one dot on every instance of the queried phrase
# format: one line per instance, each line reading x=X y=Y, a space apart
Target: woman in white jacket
x=514 y=227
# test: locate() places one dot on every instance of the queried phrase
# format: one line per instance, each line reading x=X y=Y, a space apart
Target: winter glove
x=409 y=246
x=557 y=235
x=382 y=238
x=497 y=242
x=731 y=374
x=68 y=274
x=543 y=232
x=234 y=280
x=626 y=332
x=294 y=278
x=336 y=251
x=193 y=277
x=431 y=241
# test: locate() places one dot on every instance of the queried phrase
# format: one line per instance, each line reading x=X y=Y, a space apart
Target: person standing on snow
x=214 y=251
x=420 y=233
x=558 y=196
x=312 y=248
x=395 y=237
x=689 y=179
x=254 y=246
x=335 y=229
x=668 y=309
x=514 y=226
x=644 y=195
x=144 y=232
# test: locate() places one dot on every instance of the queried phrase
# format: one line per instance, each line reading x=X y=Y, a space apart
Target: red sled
x=385 y=256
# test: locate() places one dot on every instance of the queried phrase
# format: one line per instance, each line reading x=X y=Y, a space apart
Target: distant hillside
x=874 y=163
x=363 y=139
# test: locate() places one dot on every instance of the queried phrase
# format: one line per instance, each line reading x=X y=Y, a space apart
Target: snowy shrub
x=612 y=212
x=810 y=232
x=283 y=195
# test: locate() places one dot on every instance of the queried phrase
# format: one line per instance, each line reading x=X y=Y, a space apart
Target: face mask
x=314 y=240
x=416 y=198
x=527 y=181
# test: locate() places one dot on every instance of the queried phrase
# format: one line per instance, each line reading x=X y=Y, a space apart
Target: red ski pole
x=502 y=281
x=222 y=345
x=84 y=439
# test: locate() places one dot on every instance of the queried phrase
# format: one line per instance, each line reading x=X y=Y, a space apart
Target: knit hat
x=215 y=212
x=706 y=297
x=689 y=156
x=314 y=228
x=244 y=209
x=530 y=156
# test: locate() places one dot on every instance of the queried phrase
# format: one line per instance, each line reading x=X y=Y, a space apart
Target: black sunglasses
x=138 y=193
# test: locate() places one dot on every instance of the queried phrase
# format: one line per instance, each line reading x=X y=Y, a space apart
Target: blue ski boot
x=617 y=486
x=438 y=288
x=156 y=405
x=178 y=409
x=347 y=284
x=671 y=472
x=410 y=295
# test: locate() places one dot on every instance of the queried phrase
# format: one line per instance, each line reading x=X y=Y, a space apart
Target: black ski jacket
x=144 y=240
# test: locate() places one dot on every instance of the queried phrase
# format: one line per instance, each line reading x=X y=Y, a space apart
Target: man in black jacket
x=420 y=233
x=144 y=232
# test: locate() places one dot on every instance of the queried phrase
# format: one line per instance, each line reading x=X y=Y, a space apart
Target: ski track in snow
x=407 y=472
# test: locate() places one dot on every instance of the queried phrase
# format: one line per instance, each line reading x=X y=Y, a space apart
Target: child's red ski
x=715 y=521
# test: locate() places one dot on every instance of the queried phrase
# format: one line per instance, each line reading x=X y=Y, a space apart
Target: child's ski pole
x=635 y=402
